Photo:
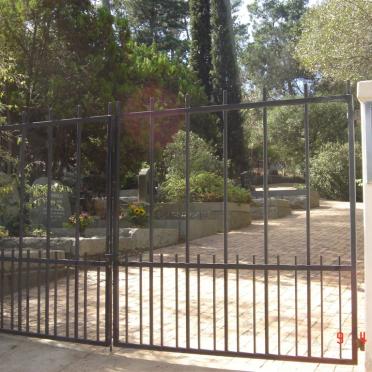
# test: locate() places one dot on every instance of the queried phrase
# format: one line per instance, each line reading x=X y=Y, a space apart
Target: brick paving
x=287 y=238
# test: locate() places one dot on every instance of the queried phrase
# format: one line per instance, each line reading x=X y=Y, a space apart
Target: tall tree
x=200 y=53
x=225 y=76
x=163 y=23
x=336 y=41
x=67 y=52
x=269 y=58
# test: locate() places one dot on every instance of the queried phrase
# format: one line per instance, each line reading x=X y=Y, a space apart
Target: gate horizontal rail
x=239 y=354
x=240 y=266
x=235 y=106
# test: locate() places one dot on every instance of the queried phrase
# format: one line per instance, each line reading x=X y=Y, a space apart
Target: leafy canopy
x=329 y=171
x=202 y=157
x=268 y=60
x=336 y=40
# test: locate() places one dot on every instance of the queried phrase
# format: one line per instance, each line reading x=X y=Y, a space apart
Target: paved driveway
x=287 y=239
x=330 y=294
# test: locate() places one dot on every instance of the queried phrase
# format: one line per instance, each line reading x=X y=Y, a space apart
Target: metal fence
x=44 y=294
x=219 y=304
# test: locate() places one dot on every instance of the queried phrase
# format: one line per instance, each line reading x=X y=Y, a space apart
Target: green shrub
x=329 y=171
x=3 y=232
x=204 y=187
x=202 y=156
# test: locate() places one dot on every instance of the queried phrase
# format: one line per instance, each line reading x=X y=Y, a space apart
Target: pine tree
x=225 y=76
x=269 y=58
x=163 y=23
x=200 y=53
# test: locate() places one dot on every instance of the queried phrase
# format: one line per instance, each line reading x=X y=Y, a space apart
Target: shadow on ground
x=18 y=353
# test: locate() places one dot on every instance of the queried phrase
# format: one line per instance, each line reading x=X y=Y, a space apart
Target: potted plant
x=136 y=215
x=85 y=219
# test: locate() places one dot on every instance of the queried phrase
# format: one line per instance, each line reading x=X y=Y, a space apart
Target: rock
x=99 y=206
x=299 y=201
x=60 y=209
x=277 y=208
x=143 y=185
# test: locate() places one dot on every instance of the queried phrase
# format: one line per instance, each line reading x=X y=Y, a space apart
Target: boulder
x=277 y=208
x=299 y=201
x=60 y=209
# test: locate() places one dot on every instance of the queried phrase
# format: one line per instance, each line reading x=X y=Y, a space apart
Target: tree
x=329 y=171
x=202 y=156
x=327 y=124
x=337 y=40
x=268 y=59
x=163 y=23
x=200 y=53
x=65 y=53
x=225 y=76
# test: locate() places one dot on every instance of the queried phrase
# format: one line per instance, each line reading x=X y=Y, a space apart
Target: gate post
x=364 y=93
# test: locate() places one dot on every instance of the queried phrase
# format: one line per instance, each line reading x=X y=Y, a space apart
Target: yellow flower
x=137 y=211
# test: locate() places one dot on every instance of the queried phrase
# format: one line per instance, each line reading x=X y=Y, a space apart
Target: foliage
x=9 y=76
x=225 y=76
x=6 y=190
x=136 y=214
x=9 y=203
x=200 y=51
x=163 y=23
x=268 y=59
x=336 y=40
x=327 y=123
x=84 y=220
x=202 y=156
x=329 y=172
x=39 y=231
x=204 y=187
x=56 y=47
x=12 y=225
x=64 y=53
x=3 y=232
x=37 y=194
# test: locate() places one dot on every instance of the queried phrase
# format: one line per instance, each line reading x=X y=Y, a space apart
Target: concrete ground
x=287 y=238
x=24 y=354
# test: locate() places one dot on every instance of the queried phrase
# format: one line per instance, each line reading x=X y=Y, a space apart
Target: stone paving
x=287 y=239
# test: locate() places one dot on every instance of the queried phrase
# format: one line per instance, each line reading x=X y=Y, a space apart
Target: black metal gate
x=46 y=291
x=220 y=304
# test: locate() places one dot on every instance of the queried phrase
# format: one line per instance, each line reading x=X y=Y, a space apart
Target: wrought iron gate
x=47 y=292
x=219 y=304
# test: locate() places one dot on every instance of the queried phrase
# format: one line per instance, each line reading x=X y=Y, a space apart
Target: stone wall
x=277 y=208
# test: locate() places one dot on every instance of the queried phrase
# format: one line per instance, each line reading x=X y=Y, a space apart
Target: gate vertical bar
x=225 y=222
x=187 y=208
x=108 y=294
x=77 y=224
x=352 y=198
x=21 y=217
x=308 y=247
x=266 y=235
x=151 y=223
x=115 y=221
x=48 y=222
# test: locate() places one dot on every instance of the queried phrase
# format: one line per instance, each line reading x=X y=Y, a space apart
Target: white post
x=364 y=94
